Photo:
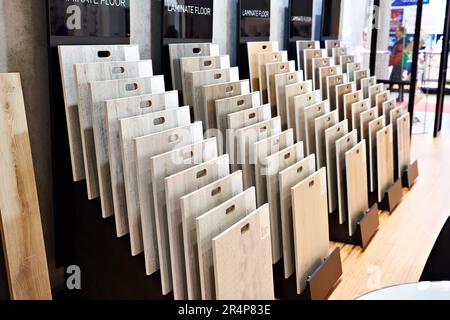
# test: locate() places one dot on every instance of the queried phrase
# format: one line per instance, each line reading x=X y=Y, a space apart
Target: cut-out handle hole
x=118 y=70
x=287 y=156
x=358 y=151
x=104 y=54
x=300 y=170
x=174 y=138
x=131 y=87
x=311 y=184
x=207 y=63
x=245 y=228
x=252 y=115
x=283 y=67
x=229 y=89
x=240 y=102
x=230 y=210
x=146 y=104
x=218 y=76
x=262 y=129
x=202 y=174
x=216 y=191
x=159 y=121
x=196 y=50
x=264 y=47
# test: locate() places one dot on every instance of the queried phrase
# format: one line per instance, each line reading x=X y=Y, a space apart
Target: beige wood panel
x=186 y=50
x=100 y=91
x=301 y=46
x=231 y=105
x=281 y=81
x=357 y=195
x=374 y=126
x=263 y=59
x=178 y=186
x=344 y=61
x=341 y=91
x=264 y=149
x=310 y=219
x=193 y=206
x=395 y=115
x=332 y=135
x=214 y=92
x=246 y=139
x=343 y=145
x=337 y=53
x=359 y=75
x=366 y=117
x=272 y=69
x=122 y=108
x=68 y=57
x=242 y=268
x=385 y=161
x=311 y=114
x=324 y=73
x=348 y=100
x=380 y=99
x=301 y=102
x=358 y=108
x=175 y=138
x=321 y=124
x=21 y=228
x=332 y=83
x=404 y=143
x=308 y=56
x=275 y=164
x=317 y=64
x=192 y=64
x=330 y=44
x=366 y=83
x=213 y=223
x=136 y=175
x=352 y=68
x=373 y=92
x=388 y=106
x=292 y=91
x=253 y=48
x=289 y=178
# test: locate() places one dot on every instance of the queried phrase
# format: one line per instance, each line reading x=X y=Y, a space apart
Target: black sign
x=301 y=19
x=331 y=19
x=255 y=18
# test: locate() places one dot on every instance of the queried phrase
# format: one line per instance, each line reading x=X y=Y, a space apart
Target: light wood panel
x=68 y=57
x=330 y=44
x=253 y=48
x=341 y=91
x=308 y=56
x=373 y=92
x=374 y=126
x=310 y=219
x=380 y=99
x=21 y=228
x=366 y=83
x=404 y=143
x=263 y=59
x=242 y=268
x=348 y=100
x=301 y=46
x=324 y=73
x=311 y=114
x=388 y=106
x=272 y=69
x=292 y=91
x=317 y=64
x=336 y=53
x=352 y=68
x=321 y=124
x=344 y=61
x=385 y=161
x=213 y=223
x=357 y=109
x=359 y=75
x=177 y=186
x=332 y=83
x=301 y=102
x=366 y=117
x=395 y=115
x=281 y=81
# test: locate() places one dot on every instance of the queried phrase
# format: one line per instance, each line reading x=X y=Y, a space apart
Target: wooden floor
x=400 y=249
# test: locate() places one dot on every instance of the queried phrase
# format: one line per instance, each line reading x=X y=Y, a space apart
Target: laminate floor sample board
x=380 y=99
x=330 y=44
x=192 y=64
x=385 y=161
x=357 y=195
x=301 y=46
x=343 y=145
x=341 y=91
x=134 y=153
x=198 y=79
x=332 y=135
x=352 y=68
x=264 y=149
x=177 y=186
x=367 y=117
x=213 y=223
x=324 y=73
x=292 y=91
x=68 y=57
x=349 y=100
x=357 y=109
x=20 y=227
x=374 y=126
x=116 y=110
x=272 y=69
x=373 y=92
x=101 y=91
x=275 y=164
x=404 y=143
x=175 y=138
x=344 y=61
x=161 y=166
x=310 y=218
x=253 y=48
x=359 y=75
x=337 y=53
x=227 y=106
x=317 y=64
x=281 y=81
x=187 y=50
x=309 y=55
x=242 y=264
x=289 y=178
x=263 y=59
x=321 y=124
x=332 y=83
x=388 y=106
x=311 y=114
x=366 y=83
x=193 y=206
x=395 y=115
x=85 y=74
x=301 y=102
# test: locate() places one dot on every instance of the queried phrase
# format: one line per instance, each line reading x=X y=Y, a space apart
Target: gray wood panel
x=321 y=124
x=357 y=109
x=281 y=81
x=301 y=46
x=332 y=82
x=344 y=61
x=352 y=68
x=336 y=53
x=373 y=92
x=366 y=83
x=317 y=64
x=311 y=114
x=253 y=48
x=404 y=143
x=341 y=91
x=374 y=126
x=385 y=161
x=349 y=100
x=308 y=56
x=395 y=115
x=324 y=73
x=330 y=44
x=272 y=69
x=263 y=59
x=292 y=91
x=301 y=102
x=359 y=75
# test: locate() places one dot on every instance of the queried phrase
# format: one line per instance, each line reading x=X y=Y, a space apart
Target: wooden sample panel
x=380 y=99
x=310 y=218
x=281 y=81
x=309 y=55
x=292 y=91
x=332 y=83
x=116 y=110
x=367 y=117
x=343 y=145
x=352 y=68
x=178 y=186
x=366 y=83
x=186 y=50
x=136 y=175
x=242 y=266
x=341 y=91
x=374 y=126
x=301 y=102
x=301 y=46
x=373 y=92
x=213 y=223
x=332 y=135
x=388 y=106
x=68 y=57
x=324 y=73
x=404 y=143
x=311 y=114
x=337 y=53
x=395 y=115
x=20 y=227
x=175 y=138
x=344 y=61
x=272 y=69
x=264 y=59
x=356 y=177
x=253 y=48
x=289 y=178
x=349 y=100
x=193 y=206
x=317 y=64
x=385 y=161
x=359 y=75
x=330 y=44
x=321 y=124
x=358 y=108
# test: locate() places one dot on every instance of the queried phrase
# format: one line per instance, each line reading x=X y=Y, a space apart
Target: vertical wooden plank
x=374 y=126
x=317 y=64
x=253 y=48
x=366 y=83
x=388 y=106
x=321 y=124
x=341 y=91
x=344 y=61
x=385 y=161
x=301 y=102
x=301 y=46
x=292 y=91
x=352 y=68
x=380 y=99
x=324 y=73
x=311 y=114
x=330 y=44
x=395 y=115
x=273 y=69
x=359 y=75
x=373 y=92
x=332 y=82
x=349 y=100
x=281 y=81
x=357 y=109
x=263 y=59
x=309 y=55
x=336 y=53
x=404 y=143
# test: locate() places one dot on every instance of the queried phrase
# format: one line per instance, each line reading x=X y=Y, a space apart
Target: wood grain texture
x=317 y=64
x=253 y=48
x=366 y=117
x=301 y=46
x=330 y=44
x=348 y=100
x=308 y=56
x=242 y=267
x=356 y=177
x=352 y=68
x=100 y=91
x=264 y=149
x=336 y=53
x=373 y=92
x=281 y=81
x=116 y=110
x=366 y=83
x=344 y=61
x=136 y=175
x=324 y=73
x=174 y=138
x=292 y=91
x=310 y=218
x=20 y=227
x=357 y=108
x=263 y=59
x=178 y=186
x=289 y=178
x=332 y=135
x=395 y=115
x=321 y=124
x=374 y=126
x=193 y=206
x=301 y=102
x=341 y=91
x=359 y=75
x=212 y=224
x=385 y=161
x=388 y=106
x=311 y=114
x=275 y=164
x=332 y=82
x=380 y=99
x=186 y=50
x=272 y=69
x=68 y=57
x=404 y=143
